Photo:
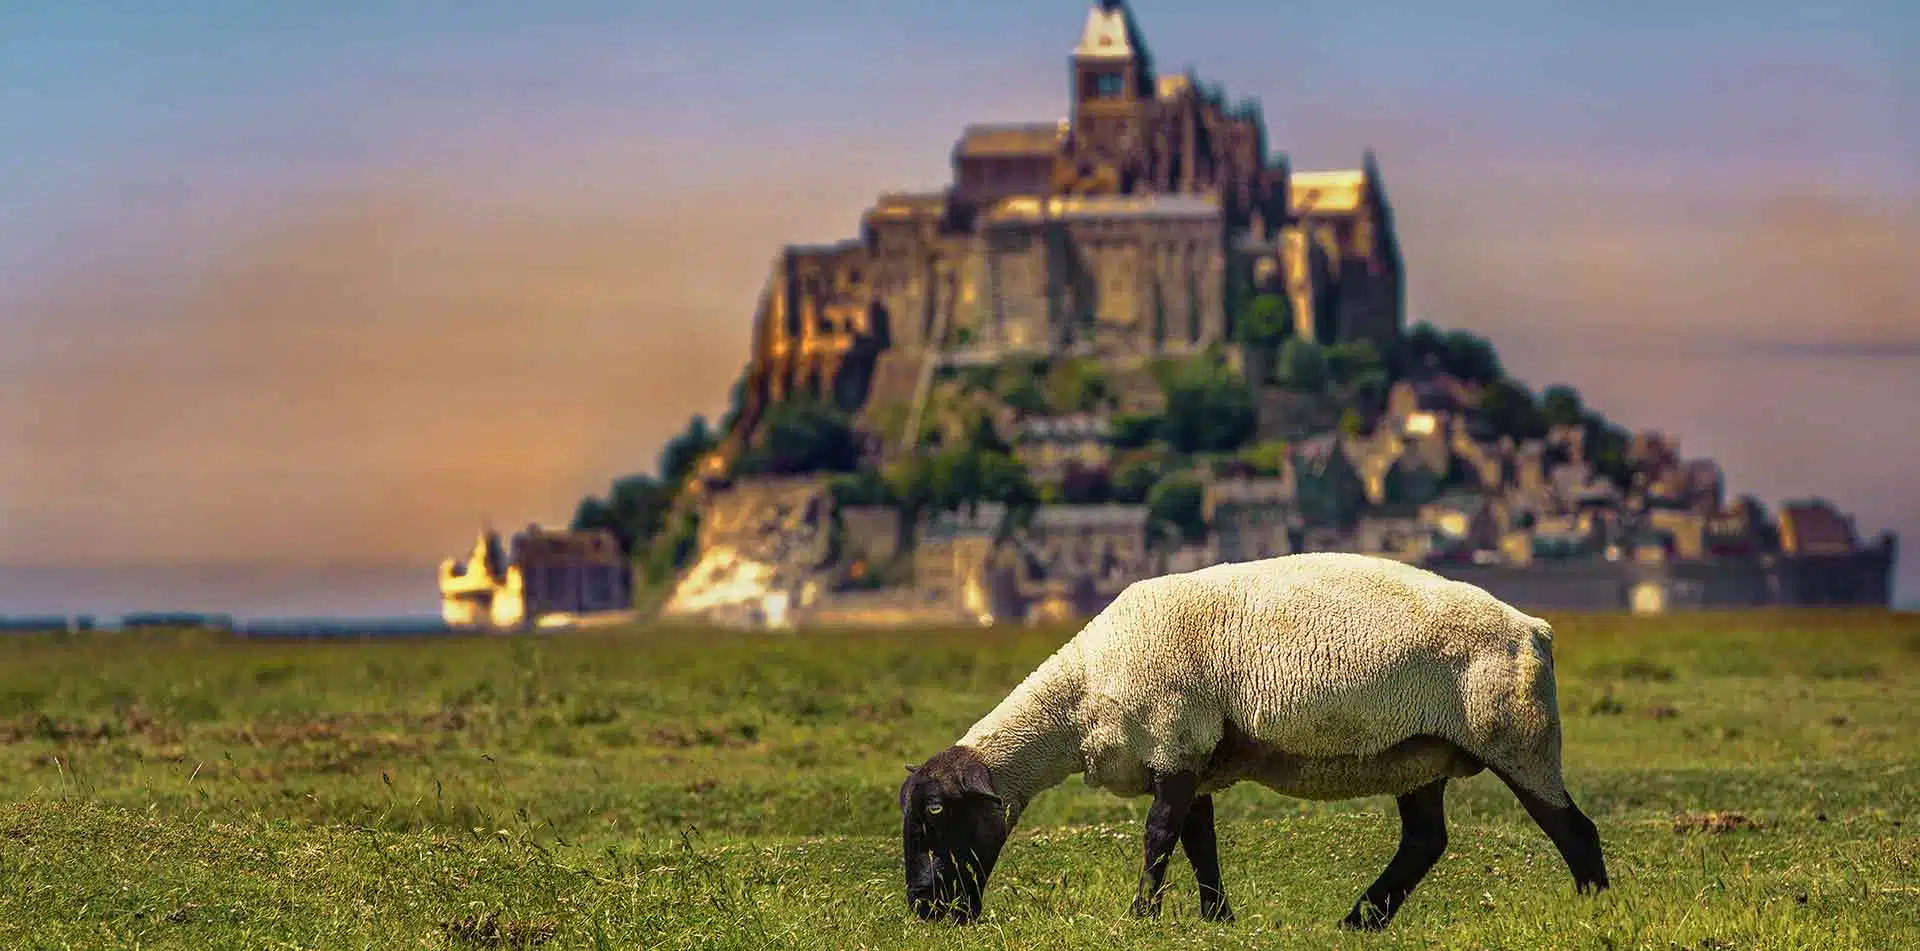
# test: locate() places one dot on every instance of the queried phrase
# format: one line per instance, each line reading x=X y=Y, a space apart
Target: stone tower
x=1113 y=88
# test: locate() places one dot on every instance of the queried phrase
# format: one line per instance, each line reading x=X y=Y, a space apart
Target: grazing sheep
x=1320 y=676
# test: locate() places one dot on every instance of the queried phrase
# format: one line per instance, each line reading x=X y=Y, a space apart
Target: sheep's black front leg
x=1423 y=839
x=1172 y=800
x=1203 y=851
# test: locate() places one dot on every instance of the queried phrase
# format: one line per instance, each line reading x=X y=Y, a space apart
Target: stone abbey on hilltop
x=1122 y=232
x=1063 y=314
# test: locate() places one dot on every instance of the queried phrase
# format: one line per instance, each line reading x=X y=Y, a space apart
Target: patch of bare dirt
x=336 y=727
x=680 y=737
x=1607 y=706
x=1713 y=822
x=492 y=931
x=896 y=707
x=345 y=743
x=131 y=723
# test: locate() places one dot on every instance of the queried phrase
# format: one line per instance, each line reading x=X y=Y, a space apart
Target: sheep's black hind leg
x=1172 y=800
x=1203 y=851
x=1423 y=839
x=1572 y=833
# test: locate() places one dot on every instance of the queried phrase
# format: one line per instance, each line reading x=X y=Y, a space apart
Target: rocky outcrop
x=763 y=547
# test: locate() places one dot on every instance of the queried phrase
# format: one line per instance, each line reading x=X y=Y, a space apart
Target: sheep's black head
x=954 y=825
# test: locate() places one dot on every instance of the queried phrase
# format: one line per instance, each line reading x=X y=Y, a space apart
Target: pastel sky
x=330 y=283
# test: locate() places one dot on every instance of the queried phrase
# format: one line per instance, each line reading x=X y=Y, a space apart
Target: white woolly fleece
x=1329 y=676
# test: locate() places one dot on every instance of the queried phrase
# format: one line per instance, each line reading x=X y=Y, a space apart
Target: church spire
x=1110 y=33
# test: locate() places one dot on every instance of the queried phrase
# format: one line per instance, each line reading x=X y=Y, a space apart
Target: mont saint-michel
x=1129 y=341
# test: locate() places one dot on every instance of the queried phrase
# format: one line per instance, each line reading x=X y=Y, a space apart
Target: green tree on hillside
x=1607 y=450
x=1075 y=386
x=1422 y=343
x=633 y=511
x=865 y=486
x=1370 y=388
x=1017 y=384
x=1209 y=408
x=1560 y=406
x=1456 y=352
x=636 y=506
x=1470 y=358
x=1134 y=430
x=1263 y=326
x=1267 y=320
x=956 y=476
x=800 y=436
x=1133 y=480
x=736 y=401
x=681 y=453
x=1347 y=361
x=1267 y=458
x=1179 y=503
x=1302 y=367
x=1509 y=408
x=673 y=548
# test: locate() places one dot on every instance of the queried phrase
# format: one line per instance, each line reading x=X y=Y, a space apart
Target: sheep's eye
x=935 y=809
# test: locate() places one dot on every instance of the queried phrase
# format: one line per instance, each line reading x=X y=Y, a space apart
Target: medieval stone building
x=543 y=575
x=1133 y=227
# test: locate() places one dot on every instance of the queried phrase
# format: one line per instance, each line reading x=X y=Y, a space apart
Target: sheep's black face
x=954 y=826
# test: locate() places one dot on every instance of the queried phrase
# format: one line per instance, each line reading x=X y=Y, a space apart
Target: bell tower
x=1112 y=84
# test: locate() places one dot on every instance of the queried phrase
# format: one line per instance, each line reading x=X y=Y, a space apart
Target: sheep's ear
x=977 y=782
x=911 y=768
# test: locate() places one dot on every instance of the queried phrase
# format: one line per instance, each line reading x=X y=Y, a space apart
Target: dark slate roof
x=1815 y=527
x=1090 y=516
x=1079 y=427
x=983 y=519
x=593 y=546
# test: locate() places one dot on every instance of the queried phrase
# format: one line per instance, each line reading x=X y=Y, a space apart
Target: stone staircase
x=922 y=389
x=896 y=376
x=923 y=384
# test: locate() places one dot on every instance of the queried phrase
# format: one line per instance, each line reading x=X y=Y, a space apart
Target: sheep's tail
x=1533 y=758
x=1533 y=665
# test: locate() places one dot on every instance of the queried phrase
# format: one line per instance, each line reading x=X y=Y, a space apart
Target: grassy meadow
x=1755 y=778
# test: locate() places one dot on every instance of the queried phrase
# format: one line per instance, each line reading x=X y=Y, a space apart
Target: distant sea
x=245 y=593
x=248 y=593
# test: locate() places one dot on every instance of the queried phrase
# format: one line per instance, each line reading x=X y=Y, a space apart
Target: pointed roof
x=1110 y=33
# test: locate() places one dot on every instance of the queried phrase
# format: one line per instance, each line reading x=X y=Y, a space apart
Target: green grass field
x=680 y=788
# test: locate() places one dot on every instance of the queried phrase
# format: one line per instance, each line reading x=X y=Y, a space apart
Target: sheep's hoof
x=1146 y=908
x=1365 y=917
x=1220 y=913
